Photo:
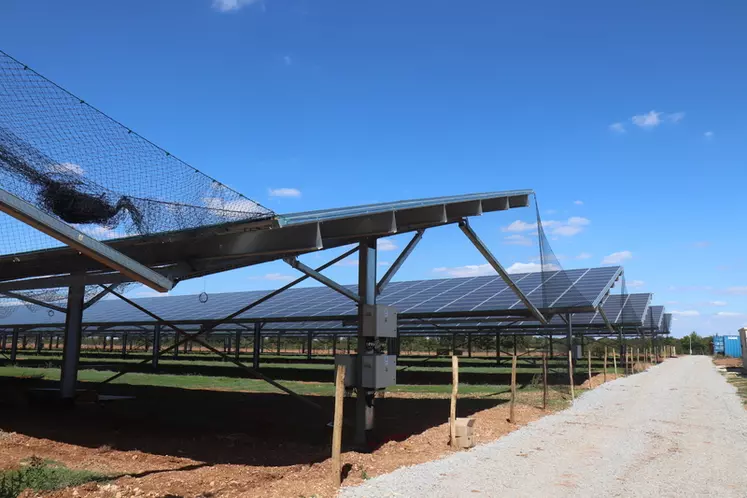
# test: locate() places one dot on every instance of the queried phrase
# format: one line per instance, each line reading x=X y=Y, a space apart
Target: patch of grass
x=43 y=475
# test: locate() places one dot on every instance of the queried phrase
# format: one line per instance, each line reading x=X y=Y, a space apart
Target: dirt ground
x=728 y=362
x=187 y=443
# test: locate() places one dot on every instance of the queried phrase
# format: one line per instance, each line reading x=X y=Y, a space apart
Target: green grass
x=239 y=384
x=43 y=475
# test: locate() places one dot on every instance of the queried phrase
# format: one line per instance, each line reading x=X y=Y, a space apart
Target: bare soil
x=189 y=443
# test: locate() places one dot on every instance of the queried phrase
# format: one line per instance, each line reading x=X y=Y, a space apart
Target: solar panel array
x=654 y=318
x=484 y=295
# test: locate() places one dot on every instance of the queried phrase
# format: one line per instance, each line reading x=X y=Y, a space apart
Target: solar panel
x=654 y=318
x=420 y=298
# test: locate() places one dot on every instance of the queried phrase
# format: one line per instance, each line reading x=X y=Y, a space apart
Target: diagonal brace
x=310 y=272
x=472 y=236
x=398 y=262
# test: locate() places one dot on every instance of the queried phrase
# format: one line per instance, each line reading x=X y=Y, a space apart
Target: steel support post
x=364 y=407
x=309 y=339
x=278 y=344
x=469 y=344
x=176 y=349
x=156 y=344
x=57 y=343
x=514 y=341
x=237 y=349
x=498 y=347
x=39 y=343
x=124 y=345
x=51 y=341
x=14 y=346
x=551 y=351
x=569 y=321
x=71 y=350
x=257 y=346
x=111 y=343
x=334 y=344
x=5 y=340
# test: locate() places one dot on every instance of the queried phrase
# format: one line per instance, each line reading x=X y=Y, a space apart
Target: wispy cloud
x=701 y=244
x=708 y=135
x=584 y=255
x=386 y=245
x=287 y=60
x=617 y=257
x=718 y=303
x=466 y=271
x=578 y=203
x=617 y=128
x=686 y=313
x=518 y=240
x=652 y=119
x=68 y=168
x=738 y=291
x=284 y=192
x=278 y=277
x=635 y=284
x=531 y=267
x=729 y=313
x=567 y=228
x=232 y=5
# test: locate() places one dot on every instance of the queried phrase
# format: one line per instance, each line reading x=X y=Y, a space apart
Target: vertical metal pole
x=551 y=352
x=111 y=343
x=57 y=343
x=256 y=345
x=237 y=349
x=498 y=347
x=514 y=344
x=469 y=344
x=156 y=344
x=571 y=358
x=39 y=344
x=309 y=345
x=334 y=344
x=364 y=407
x=278 y=344
x=73 y=331
x=453 y=344
x=51 y=340
x=14 y=346
x=5 y=340
x=124 y=345
x=176 y=349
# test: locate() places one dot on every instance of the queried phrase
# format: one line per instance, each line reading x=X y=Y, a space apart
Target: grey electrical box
x=379 y=371
x=380 y=321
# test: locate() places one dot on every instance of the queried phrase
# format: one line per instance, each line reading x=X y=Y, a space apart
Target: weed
x=39 y=474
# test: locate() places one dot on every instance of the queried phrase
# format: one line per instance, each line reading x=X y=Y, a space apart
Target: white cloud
x=617 y=257
x=718 y=303
x=386 y=245
x=287 y=60
x=578 y=203
x=384 y=263
x=701 y=244
x=518 y=240
x=68 y=168
x=466 y=271
x=672 y=302
x=584 y=255
x=347 y=262
x=531 y=267
x=284 y=192
x=635 y=284
x=150 y=293
x=708 y=135
x=652 y=119
x=648 y=120
x=571 y=226
x=279 y=277
x=617 y=127
x=231 y=5
x=728 y=313
x=686 y=313
x=740 y=291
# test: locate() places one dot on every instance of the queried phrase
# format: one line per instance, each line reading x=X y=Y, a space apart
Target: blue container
x=727 y=345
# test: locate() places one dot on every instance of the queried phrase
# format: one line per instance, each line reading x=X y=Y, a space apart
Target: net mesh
x=74 y=162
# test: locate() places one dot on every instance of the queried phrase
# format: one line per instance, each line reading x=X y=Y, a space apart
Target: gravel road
x=678 y=429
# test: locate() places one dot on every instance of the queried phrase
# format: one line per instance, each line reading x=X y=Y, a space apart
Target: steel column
x=176 y=348
x=237 y=350
x=14 y=346
x=469 y=344
x=334 y=344
x=39 y=343
x=569 y=322
x=156 y=344
x=257 y=345
x=71 y=351
x=309 y=339
x=124 y=345
x=364 y=407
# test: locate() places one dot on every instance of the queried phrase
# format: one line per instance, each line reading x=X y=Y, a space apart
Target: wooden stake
x=570 y=374
x=605 y=364
x=589 y=356
x=454 y=390
x=544 y=381
x=511 y=416
x=614 y=362
x=337 y=426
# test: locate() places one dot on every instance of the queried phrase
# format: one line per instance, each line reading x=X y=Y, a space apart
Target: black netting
x=77 y=164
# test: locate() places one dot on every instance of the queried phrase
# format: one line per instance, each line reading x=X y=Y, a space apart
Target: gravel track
x=678 y=429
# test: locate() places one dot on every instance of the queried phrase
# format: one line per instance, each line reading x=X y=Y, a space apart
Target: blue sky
x=629 y=120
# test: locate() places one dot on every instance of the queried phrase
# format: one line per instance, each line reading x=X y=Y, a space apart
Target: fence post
x=589 y=356
x=337 y=426
x=614 y=362
x=605 y=365
x=544 y=381
x=570 y=374
x=452 y=408
x=511 y=413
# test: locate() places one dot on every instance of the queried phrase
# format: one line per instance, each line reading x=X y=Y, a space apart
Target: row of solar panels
x=457 y=302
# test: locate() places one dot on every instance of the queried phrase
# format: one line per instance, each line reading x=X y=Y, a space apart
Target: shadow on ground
x=211 y=426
